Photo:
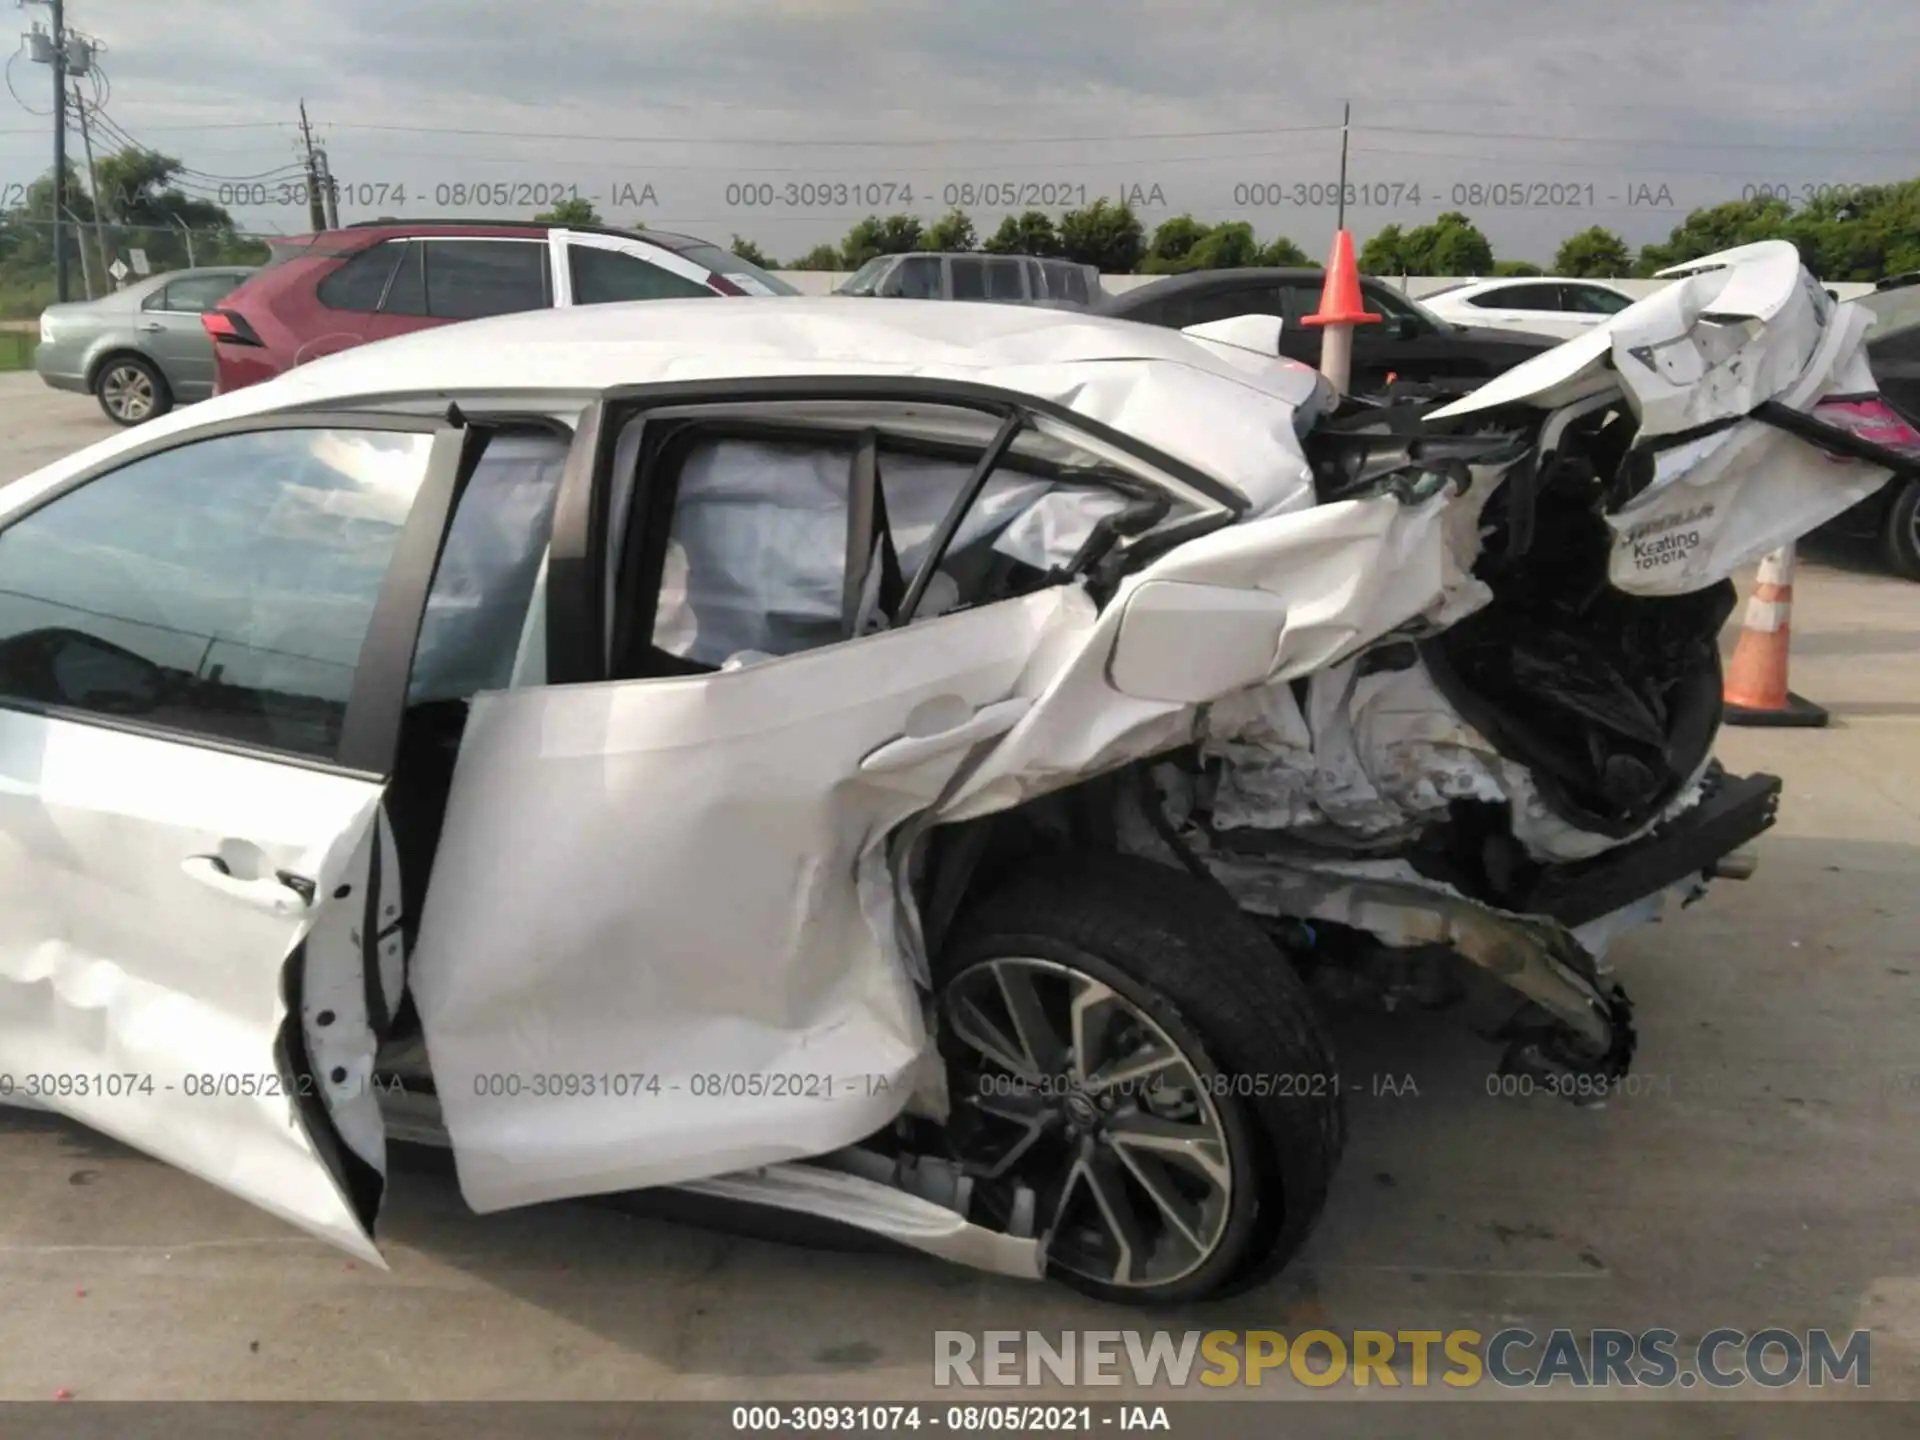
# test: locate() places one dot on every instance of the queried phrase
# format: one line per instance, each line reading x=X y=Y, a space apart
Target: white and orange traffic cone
x=1756 y=690
x=1342 y=306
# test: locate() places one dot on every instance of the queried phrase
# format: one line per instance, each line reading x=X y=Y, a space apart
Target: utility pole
x=86 y=270
x=316 y=207
x=188 y=236
x=330 y=190
x=93 y=183
x=52 y=50
x=1346 y=116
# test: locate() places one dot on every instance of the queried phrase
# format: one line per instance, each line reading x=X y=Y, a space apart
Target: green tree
x=820 y=257
x=873 y=236
x=1227 y=246
x=1595 y=253
x=1859 y=232
x=575 y=210
x=1514 y=269
x=1031 y=233
x=750 y=252
x=1717 y=227
x=140 y=207
x=1385 y=253
x=1450 y=245
x=1173 y=241
x=146 y=210
x=1106 y=234
x=952 y=231
x=1282 y=251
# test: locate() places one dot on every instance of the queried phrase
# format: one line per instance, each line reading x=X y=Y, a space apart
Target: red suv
x=340 y=288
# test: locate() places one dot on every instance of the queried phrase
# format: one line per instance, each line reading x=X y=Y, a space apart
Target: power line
x=222 y=125
x=186 y=173
x=1538 y=139
x=788 y=141
x=1605 y=166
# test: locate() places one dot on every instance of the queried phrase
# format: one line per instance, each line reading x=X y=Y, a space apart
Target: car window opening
x=780 y=539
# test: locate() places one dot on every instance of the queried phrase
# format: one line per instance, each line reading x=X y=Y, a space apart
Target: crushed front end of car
x=1468 y=809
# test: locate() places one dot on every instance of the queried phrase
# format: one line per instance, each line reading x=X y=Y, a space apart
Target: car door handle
x=282 y=893
x=905 y=751
x=150 y=325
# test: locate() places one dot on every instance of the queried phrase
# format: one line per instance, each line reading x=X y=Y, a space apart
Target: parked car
x=1559 y=309
x=1891 y=517
x=1411 y=342
x=1008 y=279
x=142 y=350
x=340 y=288
x=909 y=775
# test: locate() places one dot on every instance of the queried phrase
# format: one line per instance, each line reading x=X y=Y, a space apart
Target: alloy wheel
x=1067 y=1087
x=127 y=392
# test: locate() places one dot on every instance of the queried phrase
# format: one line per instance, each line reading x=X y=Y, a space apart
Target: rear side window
x=756 y=553
x=407 y=295
x=195 y=294
x=1208 y=306
x=472 y=279
x=915 y=278
x=969 y=279
x=1593 y=300
x=1520 y=297
x=1297 y=302
x=1066 y=282
x=1006 y=280
x=743 y=273
x=359 y=284
x=476 y=612
x=604 y=277
x=220 y=589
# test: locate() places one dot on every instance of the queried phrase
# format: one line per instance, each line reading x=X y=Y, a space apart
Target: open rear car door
x=199 y=897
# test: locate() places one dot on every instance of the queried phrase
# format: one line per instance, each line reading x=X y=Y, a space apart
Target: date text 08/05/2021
x=737 y=195
x=635 y=1084
x=828 y=1419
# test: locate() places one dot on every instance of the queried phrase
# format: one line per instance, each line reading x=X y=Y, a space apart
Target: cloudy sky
x=786 y=120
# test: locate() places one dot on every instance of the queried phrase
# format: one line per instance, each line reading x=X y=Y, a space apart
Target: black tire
x=1900 y=542
x=131 y=390
x=1181 y=952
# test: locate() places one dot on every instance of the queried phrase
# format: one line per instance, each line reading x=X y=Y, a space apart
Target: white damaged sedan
x=919 y=766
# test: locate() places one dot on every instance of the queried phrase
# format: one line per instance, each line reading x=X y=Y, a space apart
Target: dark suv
x=341 y=288
x=1411 y=342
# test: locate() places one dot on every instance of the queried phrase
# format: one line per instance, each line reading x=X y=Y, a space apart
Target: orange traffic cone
x=1341 y=308
x=1756 y=688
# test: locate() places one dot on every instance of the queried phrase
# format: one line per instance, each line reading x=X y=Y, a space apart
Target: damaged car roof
x=1224 y=409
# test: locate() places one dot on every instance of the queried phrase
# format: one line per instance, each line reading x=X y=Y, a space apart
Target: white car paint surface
x=698 y=877
x=1734 y=329
x=1544 y=305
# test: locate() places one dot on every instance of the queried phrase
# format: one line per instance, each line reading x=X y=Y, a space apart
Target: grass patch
x=16 y=349
x=24 y=297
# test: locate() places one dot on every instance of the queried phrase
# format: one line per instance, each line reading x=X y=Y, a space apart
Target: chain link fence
x=103 y=257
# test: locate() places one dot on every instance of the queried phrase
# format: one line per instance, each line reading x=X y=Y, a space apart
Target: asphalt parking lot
x=1768 y=1176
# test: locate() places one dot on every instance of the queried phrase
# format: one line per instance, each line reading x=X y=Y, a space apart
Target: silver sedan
x=140 y=350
